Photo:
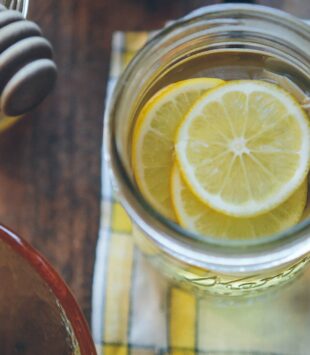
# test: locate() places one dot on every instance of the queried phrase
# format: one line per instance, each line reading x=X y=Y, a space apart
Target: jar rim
x=225 y=254
x=254 y=9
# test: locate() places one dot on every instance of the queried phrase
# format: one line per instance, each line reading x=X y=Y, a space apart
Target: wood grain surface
x=50 y=161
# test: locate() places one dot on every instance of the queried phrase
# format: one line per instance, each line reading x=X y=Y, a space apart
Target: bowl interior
x=38 y=315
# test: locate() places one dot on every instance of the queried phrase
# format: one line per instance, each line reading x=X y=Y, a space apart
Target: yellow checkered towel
x=136 y=311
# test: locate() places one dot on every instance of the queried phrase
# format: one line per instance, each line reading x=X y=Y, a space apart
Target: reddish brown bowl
x=38 y=314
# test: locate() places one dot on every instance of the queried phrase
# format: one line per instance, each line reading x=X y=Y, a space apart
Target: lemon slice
x=193 y=215
x=244 y=147
x=153 y=138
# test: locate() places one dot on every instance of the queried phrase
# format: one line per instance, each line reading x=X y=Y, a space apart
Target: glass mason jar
x=22 y=6
x=230 y=42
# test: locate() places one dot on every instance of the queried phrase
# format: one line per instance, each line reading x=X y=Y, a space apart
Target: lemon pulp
x=243 y=148
x=153 y=138
x=197 y=217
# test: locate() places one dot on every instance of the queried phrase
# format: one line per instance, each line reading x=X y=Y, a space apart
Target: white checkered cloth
x=136 y=311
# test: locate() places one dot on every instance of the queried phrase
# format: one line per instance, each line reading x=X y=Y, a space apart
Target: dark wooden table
x=50 y=161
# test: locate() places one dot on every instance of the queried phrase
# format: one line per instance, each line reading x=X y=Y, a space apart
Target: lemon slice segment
x=197 y=217
x=153 y=138
x=244 y=147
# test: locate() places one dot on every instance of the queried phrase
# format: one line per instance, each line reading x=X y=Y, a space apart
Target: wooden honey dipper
x=27 y=72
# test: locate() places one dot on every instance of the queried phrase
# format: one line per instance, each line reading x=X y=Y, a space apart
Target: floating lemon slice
x=244 y=147
x=195 y=216
x=153 y=139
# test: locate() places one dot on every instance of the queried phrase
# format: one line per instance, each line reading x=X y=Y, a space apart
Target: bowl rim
x=57 y=285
